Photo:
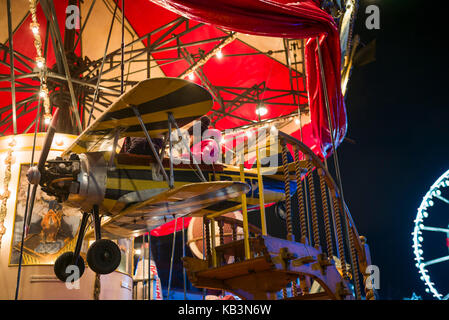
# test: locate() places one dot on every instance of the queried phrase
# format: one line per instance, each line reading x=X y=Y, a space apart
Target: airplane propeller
x=34 y=174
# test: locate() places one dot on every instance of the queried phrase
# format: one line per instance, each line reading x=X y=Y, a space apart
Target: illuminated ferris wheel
x=431 y=238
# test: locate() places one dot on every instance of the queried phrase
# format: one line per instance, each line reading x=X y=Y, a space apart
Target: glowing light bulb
x=137 y=251
x=47 y=119
x=35 y=28
x=191 y=76
x=297 y=122
x=40 y=62
x=219 y=54
x=249 y=134
x=261 y=111
x=43 y=94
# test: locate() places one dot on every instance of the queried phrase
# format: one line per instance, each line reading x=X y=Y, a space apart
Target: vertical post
x=171 y=259
x=313 y=208
x=122 y=65
x=300 y=196
x=11 y=63
x=290 y=235
x=245 y=216
x=214 y=252
x=148 y=57
x=149 y=266
x=170 y=146
x=184 y=254
x=142 y=252
x=261 y=195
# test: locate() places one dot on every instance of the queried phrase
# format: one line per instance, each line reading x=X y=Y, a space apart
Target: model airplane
x=135 y=193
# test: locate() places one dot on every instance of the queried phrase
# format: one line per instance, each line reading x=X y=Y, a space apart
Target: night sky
x=398 y=115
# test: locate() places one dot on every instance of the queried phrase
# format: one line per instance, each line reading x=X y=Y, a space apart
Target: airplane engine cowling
x=91 y=181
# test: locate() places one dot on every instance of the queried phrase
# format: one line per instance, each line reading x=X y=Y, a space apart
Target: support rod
x=11 y=62
x=150 y=142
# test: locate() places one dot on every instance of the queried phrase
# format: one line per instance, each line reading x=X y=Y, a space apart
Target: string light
x=191 y=76
x=261 y=111
x=219 y=54
x=47 y=118
x=40 y=61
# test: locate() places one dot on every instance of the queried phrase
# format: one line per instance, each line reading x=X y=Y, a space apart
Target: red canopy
x=287 y=19
x=276 y=18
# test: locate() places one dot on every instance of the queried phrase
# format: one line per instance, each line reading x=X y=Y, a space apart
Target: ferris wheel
x=431 y=234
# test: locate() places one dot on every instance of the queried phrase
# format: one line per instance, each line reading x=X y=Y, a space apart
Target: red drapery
x=286 y=19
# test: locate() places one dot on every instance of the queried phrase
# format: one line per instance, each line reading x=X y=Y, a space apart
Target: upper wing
x=154 y=98
x=187 y=199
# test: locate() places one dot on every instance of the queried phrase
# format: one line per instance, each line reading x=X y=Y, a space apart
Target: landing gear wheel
x=280 y=210
x=103 y=256
x=64 y=261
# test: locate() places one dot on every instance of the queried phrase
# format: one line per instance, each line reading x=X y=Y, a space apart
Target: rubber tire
x=103 y=256
x=65 y=260
x=280 y=210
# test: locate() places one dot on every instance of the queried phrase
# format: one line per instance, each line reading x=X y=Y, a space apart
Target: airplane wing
x=154 y=98
x=187 y=199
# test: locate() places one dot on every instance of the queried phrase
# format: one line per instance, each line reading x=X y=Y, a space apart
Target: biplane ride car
x=129 y=194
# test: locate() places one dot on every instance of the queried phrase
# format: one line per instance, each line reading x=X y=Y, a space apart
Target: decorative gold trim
x=6 y=193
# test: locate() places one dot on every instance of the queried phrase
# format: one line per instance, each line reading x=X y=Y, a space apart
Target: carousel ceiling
x=243 y=72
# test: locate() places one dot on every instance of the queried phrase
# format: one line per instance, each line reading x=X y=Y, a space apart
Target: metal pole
x=171 y=259
x=19 y=270
x=190 y=151
x=170 y=146
x=11 y=63
x=245 y=216
x=149 y=265
x=335 y=156
x=122 y=67
x=49 y=9
x=101 y=68
x=184 y=254
x=261 y=195
x=150 y=142
x=143 y=267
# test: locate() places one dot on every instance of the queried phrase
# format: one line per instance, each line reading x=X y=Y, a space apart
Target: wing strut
x=172 y=119
x=150 y=142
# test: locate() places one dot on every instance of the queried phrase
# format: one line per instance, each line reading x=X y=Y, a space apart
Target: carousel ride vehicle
x=288 y=95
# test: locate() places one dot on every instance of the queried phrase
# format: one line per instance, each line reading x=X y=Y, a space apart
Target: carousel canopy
x=259 y=59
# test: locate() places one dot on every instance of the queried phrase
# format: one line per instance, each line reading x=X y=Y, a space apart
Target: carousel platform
x=273 y=265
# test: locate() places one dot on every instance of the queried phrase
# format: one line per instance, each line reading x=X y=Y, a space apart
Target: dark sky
x=398 y=114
